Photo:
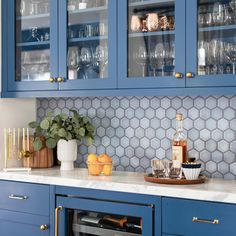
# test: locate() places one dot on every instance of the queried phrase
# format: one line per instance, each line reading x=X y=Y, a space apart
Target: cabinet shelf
x=217 y=28
x=97 y=38
x=30 y=44
x=86 y=10
x=149 y=34
x=31 y=17
x=161 y=3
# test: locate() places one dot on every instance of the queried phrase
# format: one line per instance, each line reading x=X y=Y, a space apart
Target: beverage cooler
x=75 y=216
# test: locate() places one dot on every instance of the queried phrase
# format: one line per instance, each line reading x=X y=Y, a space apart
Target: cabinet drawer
x=194 y=218
x=24 y=197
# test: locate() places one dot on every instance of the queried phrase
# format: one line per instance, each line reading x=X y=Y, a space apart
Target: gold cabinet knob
x=60 y=79
x=178 y=75
x=190 y=75
x=52 y=80
x=43 y=227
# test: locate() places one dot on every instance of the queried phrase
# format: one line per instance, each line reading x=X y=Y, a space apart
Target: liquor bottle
x=179 y=143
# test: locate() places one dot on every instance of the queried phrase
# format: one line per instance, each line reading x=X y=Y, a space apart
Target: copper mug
x=136 y=24
x=152 y=22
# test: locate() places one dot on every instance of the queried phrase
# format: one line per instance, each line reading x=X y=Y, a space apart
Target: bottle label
x=177 y=153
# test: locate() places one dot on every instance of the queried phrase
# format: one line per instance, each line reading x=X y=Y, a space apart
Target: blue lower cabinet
x=22 y=224
x=194 y=218
x=78 y=216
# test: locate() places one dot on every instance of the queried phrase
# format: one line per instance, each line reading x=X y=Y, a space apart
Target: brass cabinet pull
x=18 y=197
x=60 y=208
x=213 y=222
x=190 y=75
x=52 y=80
x=43 y=227
x=60 y=79
x=178 y=75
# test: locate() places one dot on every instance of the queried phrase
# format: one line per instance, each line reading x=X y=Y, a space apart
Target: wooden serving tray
x=152 y=179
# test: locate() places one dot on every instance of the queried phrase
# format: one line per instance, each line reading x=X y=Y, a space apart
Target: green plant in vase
x=65 y=132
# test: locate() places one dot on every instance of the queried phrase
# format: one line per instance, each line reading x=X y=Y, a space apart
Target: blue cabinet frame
x=192 y=56
x=96 y=83
x=151 y=82
x=9 y=41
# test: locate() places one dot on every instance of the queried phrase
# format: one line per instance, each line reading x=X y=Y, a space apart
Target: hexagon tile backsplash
x=134 y=130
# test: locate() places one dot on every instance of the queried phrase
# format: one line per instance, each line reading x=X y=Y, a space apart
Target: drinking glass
x=158 y=168
x=86 y=60
x=230 y=53
x=141 y=57
x=214 y=55
x=153 y=59
x=201 y=20
x=73 y=62
x=208 y=19
x=175 y=170
x=25 y=64
x=23 y=8
x=161 y=55
x=218 y=13
x=34 y=7
x=100 y=59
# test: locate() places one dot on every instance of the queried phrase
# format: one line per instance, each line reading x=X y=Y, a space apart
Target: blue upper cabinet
x=59 y=45
x=151 y=44
x=210 y=43
x=87 y=40
x=31 y=56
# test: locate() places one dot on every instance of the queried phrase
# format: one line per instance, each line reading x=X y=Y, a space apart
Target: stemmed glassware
x=214 y=55
x=100 y=59
x=86 y=60
x=141 y=58
x=73 y=62
x=230 y=53
x=153 y=59
x=161 y=55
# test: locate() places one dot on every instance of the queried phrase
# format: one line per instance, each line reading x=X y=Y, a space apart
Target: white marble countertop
x=217 y=190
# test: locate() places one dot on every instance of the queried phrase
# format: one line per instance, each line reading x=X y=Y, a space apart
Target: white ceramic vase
x=67 y=153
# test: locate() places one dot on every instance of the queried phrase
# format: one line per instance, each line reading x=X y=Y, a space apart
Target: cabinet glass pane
x=151 y=38
x=32 y=40
x=82 y=223
x=216 y=37
x=87 y=56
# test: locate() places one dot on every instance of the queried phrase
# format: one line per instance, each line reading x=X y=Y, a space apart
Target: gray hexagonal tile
x=211 y=145
x=61 y=103
x=223 y=146
x=149 y=113
x=105 y=141
x=165 y=102
x=205 y=134
x=233 y=146
x=139 y=132
x=199 y=124
x=150 y=133
x=233 y=102
x=139 y=152
x=223 y=124
x=176 y=102
x=166 y=123
x=155 y=123
x=205 y=156
x=165 y=143
x=211 y=167
x=223 y=168
x=155 y=102
x=211 y=124
x=120 y=151
x=120 y=132
x=87 y=103
x=115 y=122
x=129 y=113
x=129 y=132
x=100 y=112
x=110 y=132
x=155 y=143
x=223 y=102
x=217 y=113
x=229 y=113
x=124 y=103
x=134 y=142
x=211 y=102
x=233 y=124
x=125 y=122
x=160 y=133
x=205 y=113
x=150 y=152
x=217 y=135
x=199 y=145
x=92 y=112
x=217 y=175
x=120 y=113
x=194 y=134
x=144 y=123
x=187 y=102
x=144 y=103
x=124 y=142
x=110 y=151
x=193 y=113
x=52 y=103
x=115 y=103
x=217 y=156
x=105 y=122
x=144 y=142
x=145 y=162
x=129 y=152
x=160 y=113
x=110 y=112
x=229 y=176
x=124 y=161
x=170 y=133
x=96 y=103
x=233 y=168
x=199 y=102
x=229 y=157
x=139 y=113
x=134 y=103
x=115 y=141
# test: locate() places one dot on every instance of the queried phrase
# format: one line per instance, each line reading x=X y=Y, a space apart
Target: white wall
x=14 y=112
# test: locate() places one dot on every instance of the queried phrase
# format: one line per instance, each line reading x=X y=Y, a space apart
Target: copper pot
x=152 y=21
x=135 y=24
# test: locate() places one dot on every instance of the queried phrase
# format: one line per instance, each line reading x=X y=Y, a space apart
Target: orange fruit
x=92 y=157
x=107 y=169
x=104 y=158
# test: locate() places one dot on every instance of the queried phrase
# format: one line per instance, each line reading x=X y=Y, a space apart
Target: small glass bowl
x=97 y=168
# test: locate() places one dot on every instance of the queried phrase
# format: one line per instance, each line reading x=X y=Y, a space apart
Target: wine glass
x=218 y=13
x=230 y=53
x=26 y=63
x=86 y=60
x=153 y=60
x=100 y=59
x=161 y=55
x=214 y=55
x=141 y=57
x=73 y=62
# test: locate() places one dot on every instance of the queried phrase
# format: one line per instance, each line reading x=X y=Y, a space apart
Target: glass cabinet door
x=90 y=217
x=32 y=52
x=152 y=45
x=211 y=43
x=87 y=44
